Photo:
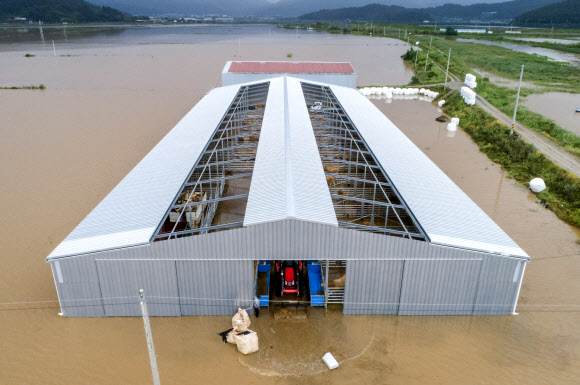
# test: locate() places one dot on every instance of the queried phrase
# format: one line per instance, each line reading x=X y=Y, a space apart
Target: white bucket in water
x=330 y=361
x=441 y=103
x=537 y=185
x=455 y=120
x=452 y=127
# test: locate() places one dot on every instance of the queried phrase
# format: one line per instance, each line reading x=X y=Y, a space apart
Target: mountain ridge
x=52 y=11
x=449 y=12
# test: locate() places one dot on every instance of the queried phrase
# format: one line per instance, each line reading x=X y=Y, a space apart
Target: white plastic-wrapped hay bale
x=470 y=78
x=441 y=103
x=471 y=84
x=389 y=94
x=537 y=185
x=455 y=120
x=452 y=127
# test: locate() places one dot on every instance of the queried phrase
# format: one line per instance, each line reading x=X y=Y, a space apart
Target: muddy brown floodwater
x=62 y=150
x=560 y=107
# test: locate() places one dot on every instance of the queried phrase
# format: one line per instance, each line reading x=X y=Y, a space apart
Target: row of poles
x=447 y=75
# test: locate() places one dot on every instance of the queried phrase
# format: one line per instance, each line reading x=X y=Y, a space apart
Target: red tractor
x=290 y=275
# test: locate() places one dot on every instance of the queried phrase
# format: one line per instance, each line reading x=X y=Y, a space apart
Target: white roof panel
x=120 y=220
x=444 y=211
x=288 y=180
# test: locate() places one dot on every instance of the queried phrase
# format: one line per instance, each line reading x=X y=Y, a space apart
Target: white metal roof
x=288 y=180
x=130 y=214
x=446 y=213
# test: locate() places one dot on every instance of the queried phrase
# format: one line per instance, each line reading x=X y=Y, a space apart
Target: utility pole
x=41 y=32
x=517 y=100
x=416 y=55
x=447 y=72
x=429 y=50
x=53 y=48
x=149 y=336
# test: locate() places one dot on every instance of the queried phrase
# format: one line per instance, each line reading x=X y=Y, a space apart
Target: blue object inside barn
x=315 y=281
x=264 y=267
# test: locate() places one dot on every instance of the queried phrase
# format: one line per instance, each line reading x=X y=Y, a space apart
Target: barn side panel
x=78 y=287
x=498 y=286
x=215 y=287
x=439 y=287
x=121 y=281
x=372 y=287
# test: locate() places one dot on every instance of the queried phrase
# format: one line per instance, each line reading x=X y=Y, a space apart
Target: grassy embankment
x=521 y=160
x=544 y=74
x=39 y=87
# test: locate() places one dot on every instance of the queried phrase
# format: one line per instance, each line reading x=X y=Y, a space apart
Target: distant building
x=341 y=74
x=473 y=30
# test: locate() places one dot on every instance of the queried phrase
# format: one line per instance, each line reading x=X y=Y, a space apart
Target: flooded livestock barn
x=294 y=191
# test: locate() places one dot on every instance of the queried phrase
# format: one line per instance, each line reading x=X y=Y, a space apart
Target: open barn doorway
x=299 y=286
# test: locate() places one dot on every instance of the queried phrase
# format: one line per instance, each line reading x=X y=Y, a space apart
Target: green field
x=521 y=160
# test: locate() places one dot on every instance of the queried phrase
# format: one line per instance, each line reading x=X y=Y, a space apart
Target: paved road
x=546 y=146
x=549 y=148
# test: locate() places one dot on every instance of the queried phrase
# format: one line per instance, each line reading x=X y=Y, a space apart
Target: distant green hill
x=56 y=11
x=371 y=12
x=481 y=12
x=502 y=11
x=565 y=13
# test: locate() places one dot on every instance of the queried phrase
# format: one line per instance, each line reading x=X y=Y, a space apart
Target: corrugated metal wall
x=499 y=282
x=372 y=287
x=429 y=279
x=121 y=281
x=439 y=287
x=215 y=287
x=172 y=288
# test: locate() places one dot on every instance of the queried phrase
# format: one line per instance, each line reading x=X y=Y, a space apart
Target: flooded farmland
x=560 y=107
x=63 y=149
x=550 y=53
